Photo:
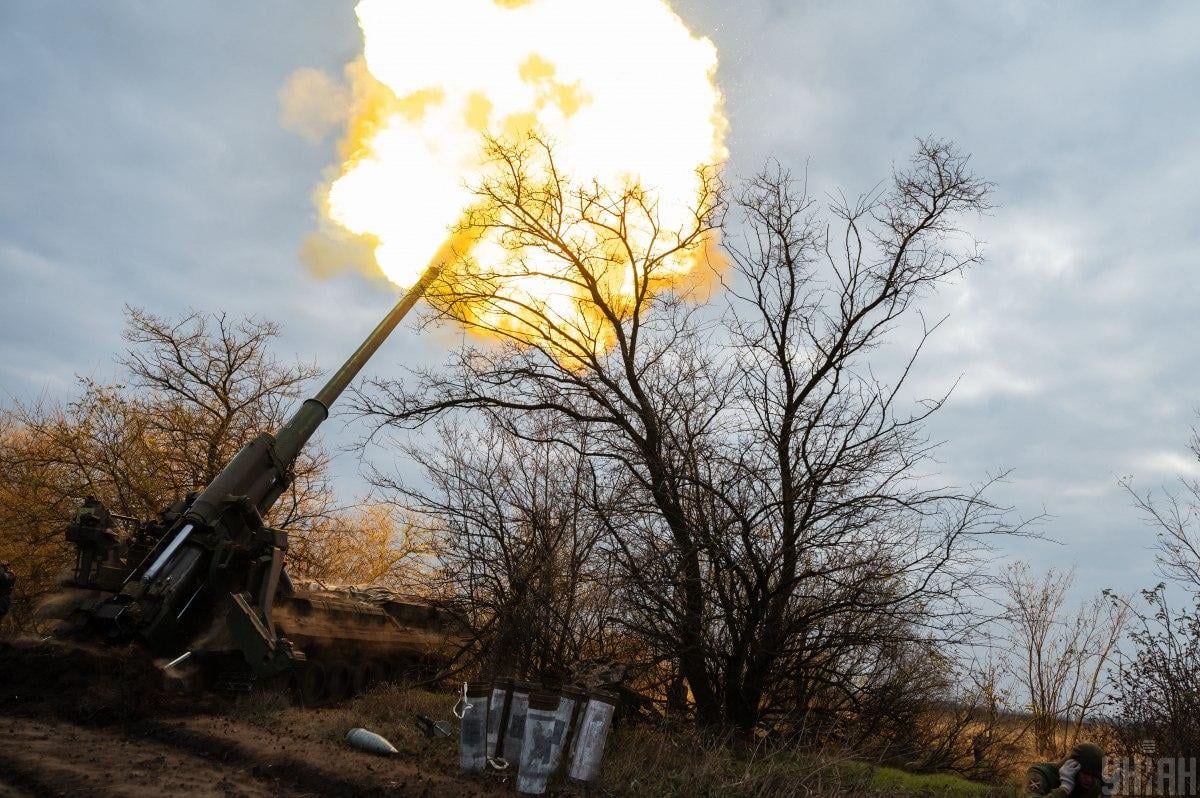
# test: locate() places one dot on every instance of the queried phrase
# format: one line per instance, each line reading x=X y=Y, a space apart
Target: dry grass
x=649 y=761
x=640 y=760
x=389 y=710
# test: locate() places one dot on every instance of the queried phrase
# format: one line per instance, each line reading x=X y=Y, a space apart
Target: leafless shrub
x=515 y=541
x=1059 y=658
x=1157 y=686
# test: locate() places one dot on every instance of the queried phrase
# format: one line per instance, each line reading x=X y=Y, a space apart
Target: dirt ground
x=78 y=722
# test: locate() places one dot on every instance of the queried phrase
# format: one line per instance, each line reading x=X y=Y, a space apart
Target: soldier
x=7 y=580
x=92 y=513
x=1080 y=774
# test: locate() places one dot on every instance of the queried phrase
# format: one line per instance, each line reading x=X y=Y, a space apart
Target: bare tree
x=1059 y=658
x=600 y=364
x=211 y=383
x=198 y=389
x=838 y=528
x=761 y=490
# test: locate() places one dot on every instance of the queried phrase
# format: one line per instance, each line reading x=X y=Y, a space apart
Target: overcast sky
x=142 y=161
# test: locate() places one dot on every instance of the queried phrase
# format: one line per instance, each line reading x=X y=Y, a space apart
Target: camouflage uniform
x=1043 y=779
x=92 y=513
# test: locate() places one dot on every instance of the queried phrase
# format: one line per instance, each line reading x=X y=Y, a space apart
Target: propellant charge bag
x=472 y=735
x=537 y=749
x=514 y=731
x=497 y=707
x=570 y=707
x=591 y=735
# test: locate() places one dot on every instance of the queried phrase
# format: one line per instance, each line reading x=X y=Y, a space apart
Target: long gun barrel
x=299 y=429
x=266 y=474
x=219 y=559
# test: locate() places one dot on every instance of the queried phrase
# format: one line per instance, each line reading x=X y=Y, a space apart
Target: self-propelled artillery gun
x=206 y=581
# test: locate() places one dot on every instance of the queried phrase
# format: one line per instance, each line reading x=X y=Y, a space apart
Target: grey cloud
x=1074 y=342
x=142 y=160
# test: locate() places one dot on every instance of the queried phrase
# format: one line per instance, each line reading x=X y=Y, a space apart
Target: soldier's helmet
x=1090 y=758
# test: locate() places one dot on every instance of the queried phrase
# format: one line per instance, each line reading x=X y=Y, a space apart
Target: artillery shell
x=370 y=742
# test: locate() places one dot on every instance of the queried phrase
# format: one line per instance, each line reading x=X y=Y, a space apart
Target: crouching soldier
x=1080 y=774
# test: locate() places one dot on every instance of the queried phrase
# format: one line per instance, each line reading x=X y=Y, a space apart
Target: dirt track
x=196 y=757
x=62 y=735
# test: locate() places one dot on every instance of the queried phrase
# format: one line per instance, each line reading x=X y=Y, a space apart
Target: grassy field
x=639 y=760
